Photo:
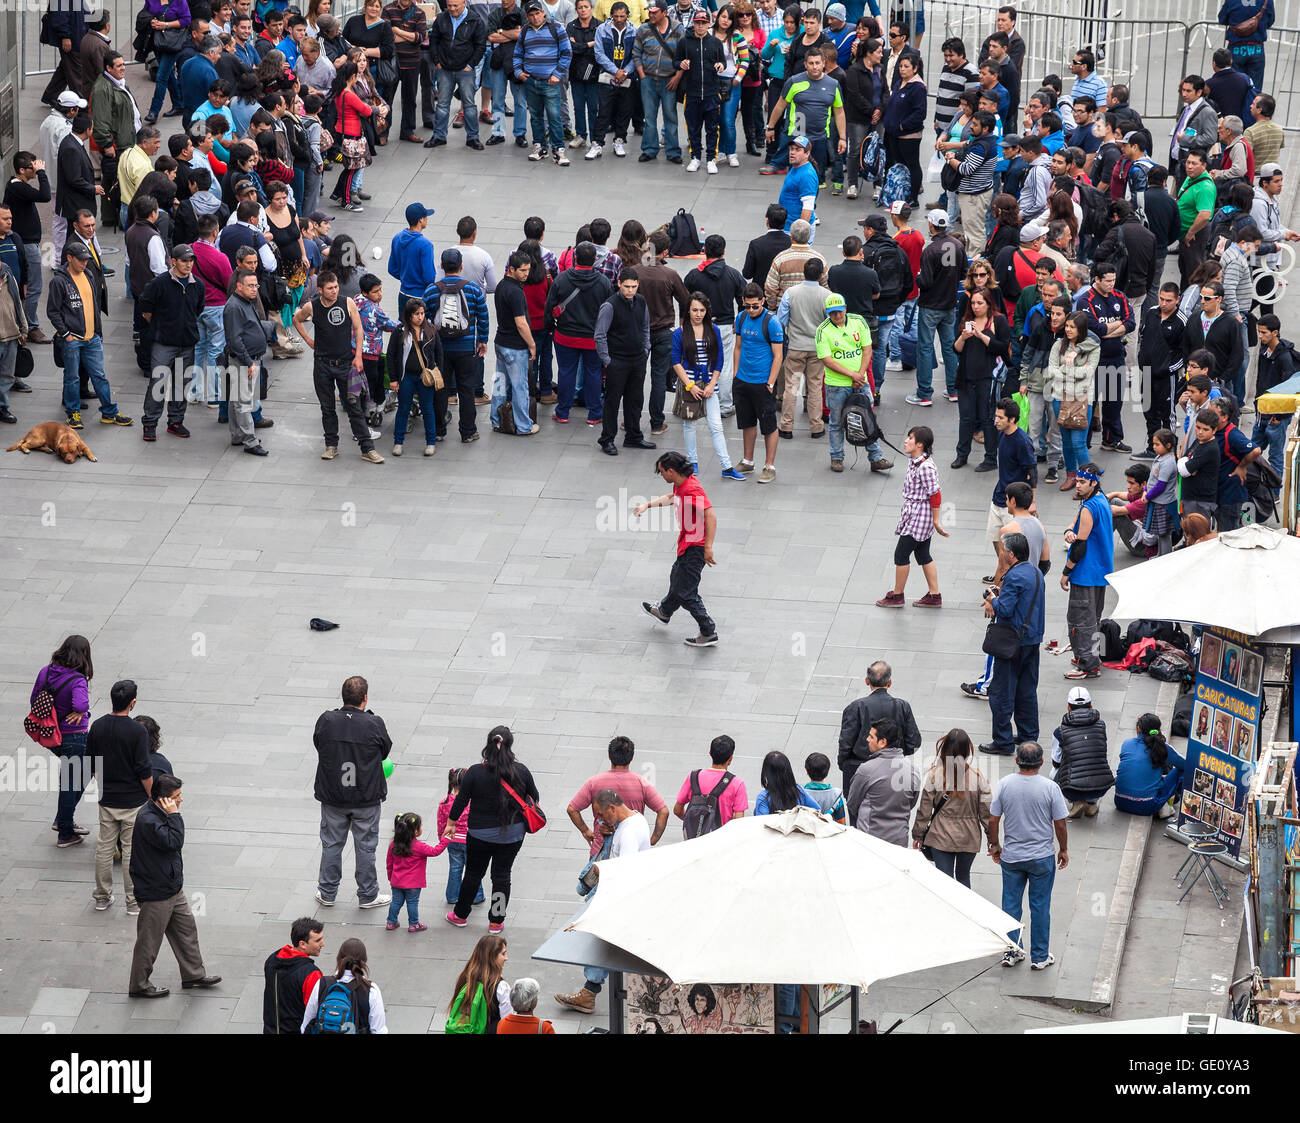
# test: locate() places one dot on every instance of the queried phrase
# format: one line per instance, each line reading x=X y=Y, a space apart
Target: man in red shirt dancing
x=698 y=524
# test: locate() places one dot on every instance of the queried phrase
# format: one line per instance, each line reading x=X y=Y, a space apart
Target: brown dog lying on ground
x=55 y=437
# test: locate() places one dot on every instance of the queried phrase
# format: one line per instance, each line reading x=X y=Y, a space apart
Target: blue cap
x=415 y=212
x=801 y=140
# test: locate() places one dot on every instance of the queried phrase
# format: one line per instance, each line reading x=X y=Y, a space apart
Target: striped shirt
x=1092 y=86
x=770 y=23
x=978 y=163
x=947 y=101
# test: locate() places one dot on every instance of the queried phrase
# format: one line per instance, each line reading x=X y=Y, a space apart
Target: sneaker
x=951 y=397
x=913 y=400
x=1090 y=811
x=584 y=1001
x=74 y=420
x=930 y=600
x=1012 y=957
x=132 y=910
x=149 y=434
x=659 y=432
x=379 y=902
x=496 y=929
x=470 y=439
x=731 y=474
x=177 y=429
x=655 y=611
x=116 y=419
x=561 y=158
x=745 y=466
x=1080 y=673
x=372 y=457
x=568 y=134
x=894 y=364
x=391 y=925
x=63 y=843
x=538 y=152
x=1166 y=811
x=711 y=167
x=730 y=411
x=1052 y=475
x=1115 y=446
x=320 y=900
x=837 y=188
x=733 y=161
x=418 y=927
x=351 y=208
x=837 y=465
x=482 y=400
x=620 y=149
x=1076 y=809
x=1145 y=454
x=578 y=142
x=882 y=465
x=702 y=641
x=429 y=450
x=459 y=123
x=330 y=453
x=891 y=600
x=767 y=475
x=1044 y=964
x=694 y=165
x=105 y=904
x=852 y=192
x=374 y=434
x=593 y=153
x=397 y=450
x=454 y=920
x=972 y=691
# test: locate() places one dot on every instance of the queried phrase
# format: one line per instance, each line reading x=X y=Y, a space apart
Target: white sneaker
x=619 y=148
x=733 y=161
x=378 y=903
x=694 y=165
x=374 y=434
x=711 y=167
x=561 y=159
x=397 y=450
x=1043 y=964
x=852 y=192
x=894 y=364
x=538 y=152
x=578 y=142
x=593 y=152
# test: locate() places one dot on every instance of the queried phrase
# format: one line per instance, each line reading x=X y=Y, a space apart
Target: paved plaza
x=497 y=583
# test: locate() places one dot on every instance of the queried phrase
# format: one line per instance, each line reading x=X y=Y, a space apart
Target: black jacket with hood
x=574 y=302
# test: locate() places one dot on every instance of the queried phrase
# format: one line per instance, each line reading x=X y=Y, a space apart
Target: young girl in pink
x=407 y=856
x=455 y=846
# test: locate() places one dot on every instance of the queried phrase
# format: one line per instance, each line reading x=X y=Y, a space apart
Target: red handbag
x=534 y=817
x=41 y=724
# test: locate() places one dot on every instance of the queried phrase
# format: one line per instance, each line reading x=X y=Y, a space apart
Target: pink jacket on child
x=462 y=824
x=408 y=873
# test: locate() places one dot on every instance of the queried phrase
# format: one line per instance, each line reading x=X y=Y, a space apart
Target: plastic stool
x=1202 y=855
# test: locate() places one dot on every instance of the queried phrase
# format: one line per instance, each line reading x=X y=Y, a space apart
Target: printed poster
x=657 y=1005
x=1224 y=737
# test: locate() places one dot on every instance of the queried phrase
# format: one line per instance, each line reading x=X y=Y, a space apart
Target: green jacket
x=114 y=120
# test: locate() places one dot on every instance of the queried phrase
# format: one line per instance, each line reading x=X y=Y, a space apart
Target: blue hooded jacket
x=411 y=261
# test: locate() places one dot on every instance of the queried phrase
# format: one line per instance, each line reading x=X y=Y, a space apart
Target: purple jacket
x=70 y=695
x=177 y=10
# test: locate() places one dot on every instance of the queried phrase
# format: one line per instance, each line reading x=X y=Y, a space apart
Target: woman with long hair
x=735 y=66
x=67 y=679
x=1060 y=206
x=979 y=275
x=316 y=9
x=1006 y=225
x=751 y=85
x=781 y=791
x=984 y=339
x=1149 y=778
x=246 y=102
x=904 y=124
x=632 y=244
x=496 y=825
x=954 y=809
x=350 y=110
x=697 y=360
x=352 y=972
x=343 y=259
x=411 y=351
x=536 y=286
x=481 y=997
x=864 y=103
x=775 y=53
x=1071 y=373
x=371 y=33
x=273 y=72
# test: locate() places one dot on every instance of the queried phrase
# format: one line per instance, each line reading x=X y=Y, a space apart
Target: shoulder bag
x=928 y=851
x=534 y=818
x=429 y=376
x=1002 y=639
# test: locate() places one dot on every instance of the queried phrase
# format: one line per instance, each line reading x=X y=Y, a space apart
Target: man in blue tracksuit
x=410 y=257
x=459 y=312
x=1110 y=319
x=1248 y=22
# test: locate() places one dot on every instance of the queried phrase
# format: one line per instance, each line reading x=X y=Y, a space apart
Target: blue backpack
x=337 y=1010
x=871 y=157
x=898 y=186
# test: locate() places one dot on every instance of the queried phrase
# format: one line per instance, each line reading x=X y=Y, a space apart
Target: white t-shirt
x=378 y=1023
x=631 y=835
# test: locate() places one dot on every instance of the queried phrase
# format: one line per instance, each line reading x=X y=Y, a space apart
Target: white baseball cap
x=1079 y=696
x=69 y=100
x=937 y=218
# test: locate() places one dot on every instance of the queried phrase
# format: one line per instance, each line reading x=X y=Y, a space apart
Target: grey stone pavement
x=474 y=589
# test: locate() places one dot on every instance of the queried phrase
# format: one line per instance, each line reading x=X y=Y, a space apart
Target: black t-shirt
x=510 y=302
x=122 y=745
x=858 y=284
x=333 y=327
x=1203 y=487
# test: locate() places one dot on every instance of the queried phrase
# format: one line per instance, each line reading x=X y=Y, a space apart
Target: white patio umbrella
x=790 y=898
x=1243 y=580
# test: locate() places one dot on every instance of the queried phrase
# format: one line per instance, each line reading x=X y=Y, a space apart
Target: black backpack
x=1094 y=205
x=1164 y=630
x=859 y=420
x=1113 y=647
x=1180 y=724
x=683 y=235
x=893 y=268
x=703 y=814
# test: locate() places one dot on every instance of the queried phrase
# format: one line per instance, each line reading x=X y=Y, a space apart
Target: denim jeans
x=512 y=371
x=1013 y=693
x=205 y=383
x=335 y=825
x=586 y=107
x=880 y=349
x=449 y=81
x=1270 y=434
x=727 y=123
x=311 y=181
x=8 y=362
x=1074 y=442
x=836 y=398
x=165 y=81
x=497 y=80
x=656 y=97
x=410 y=388
x=89 y=354
x=928 y=321
x=540 y=369
x=713 y=419
x=1249 y=59
x=456 y=873
x=1238 y=378
x=569 y=361
x=32 y=301
x=544 y=109
x=1043 y=429
x=72 y=782
x=955 y=863
x=409 y=897
x=1039 y=874
x=727 y=379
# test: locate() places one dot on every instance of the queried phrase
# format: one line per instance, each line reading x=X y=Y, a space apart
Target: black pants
x=774 y=88
x=907 y=153
x=706 y=112
x=67 y=75
x=751 y=116
x=615 y=111
x=975 y=411
x=624 y=380
x=408 y=81
x=330 y=377
x=1110 y=392
x=1189 y=257
x=1159 y=414
x=459 y=369
x=478 y=853
x=684 y=591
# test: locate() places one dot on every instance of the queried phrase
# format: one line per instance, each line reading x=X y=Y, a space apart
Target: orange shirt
x=523 y=1023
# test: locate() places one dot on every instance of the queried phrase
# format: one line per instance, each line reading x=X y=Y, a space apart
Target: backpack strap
x=763 y=321
x=721 y=786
